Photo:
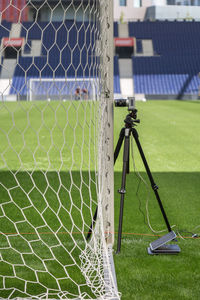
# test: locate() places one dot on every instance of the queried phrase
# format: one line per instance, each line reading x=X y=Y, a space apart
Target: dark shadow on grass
x=165 y=276
x=179 y=193
x=50 y=205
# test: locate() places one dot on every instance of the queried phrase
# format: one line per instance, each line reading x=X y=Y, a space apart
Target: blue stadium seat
x=116 y=33
x=117 y=88
x=139 y=46
x=67 y=50
x=174 y=70
x=5 y=29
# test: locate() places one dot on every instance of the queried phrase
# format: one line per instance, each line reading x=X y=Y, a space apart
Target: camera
x=121 y=102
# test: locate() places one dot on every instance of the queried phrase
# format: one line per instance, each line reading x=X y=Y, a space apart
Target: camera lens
x=120 y=102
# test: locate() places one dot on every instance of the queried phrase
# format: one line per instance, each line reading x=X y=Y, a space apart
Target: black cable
x=191 y=234
x=139 y=200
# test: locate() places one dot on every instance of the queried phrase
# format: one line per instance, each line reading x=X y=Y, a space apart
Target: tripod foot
x=160 y=247
x=165 y=249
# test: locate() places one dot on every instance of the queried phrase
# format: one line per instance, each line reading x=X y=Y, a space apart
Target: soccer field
x=169 y=134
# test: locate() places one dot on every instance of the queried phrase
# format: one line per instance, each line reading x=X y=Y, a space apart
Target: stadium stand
x=55 y=53
x=4 y=32
x=173 y=70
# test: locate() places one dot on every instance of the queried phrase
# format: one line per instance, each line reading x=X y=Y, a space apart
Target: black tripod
x=125 y=134
x=159 y=246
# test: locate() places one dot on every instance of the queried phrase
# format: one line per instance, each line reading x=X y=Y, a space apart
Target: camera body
x=129 y=102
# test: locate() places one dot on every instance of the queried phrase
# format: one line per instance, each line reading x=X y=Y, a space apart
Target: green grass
x=47 y=194
x=169 y=134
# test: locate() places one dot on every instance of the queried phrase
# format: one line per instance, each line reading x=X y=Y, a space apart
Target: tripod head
x=131 y=118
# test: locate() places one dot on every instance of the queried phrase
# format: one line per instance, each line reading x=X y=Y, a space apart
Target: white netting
x=54 y=154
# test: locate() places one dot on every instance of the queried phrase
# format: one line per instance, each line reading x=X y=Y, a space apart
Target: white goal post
x=56 y=157
x=62 y=89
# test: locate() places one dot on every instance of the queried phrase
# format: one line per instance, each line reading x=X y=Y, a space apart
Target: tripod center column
x=127 y=132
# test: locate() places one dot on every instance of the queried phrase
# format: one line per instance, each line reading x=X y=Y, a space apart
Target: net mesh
x=54 y=151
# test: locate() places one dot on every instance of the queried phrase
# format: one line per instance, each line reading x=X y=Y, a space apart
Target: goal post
x=107 y=61
x=62 y=89
x=56 y=157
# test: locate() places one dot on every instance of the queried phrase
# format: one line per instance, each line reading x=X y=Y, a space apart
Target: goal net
x=56 y=157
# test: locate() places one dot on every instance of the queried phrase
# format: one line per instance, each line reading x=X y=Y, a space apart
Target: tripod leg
x=153 y=185
x=122 y=191
x=92 y=224
x=118 y=147
x=119 y=144
x=128 y=162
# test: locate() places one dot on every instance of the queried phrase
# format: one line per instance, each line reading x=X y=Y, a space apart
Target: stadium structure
x=163 y=62
x=160 y=60
x=27 y=35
